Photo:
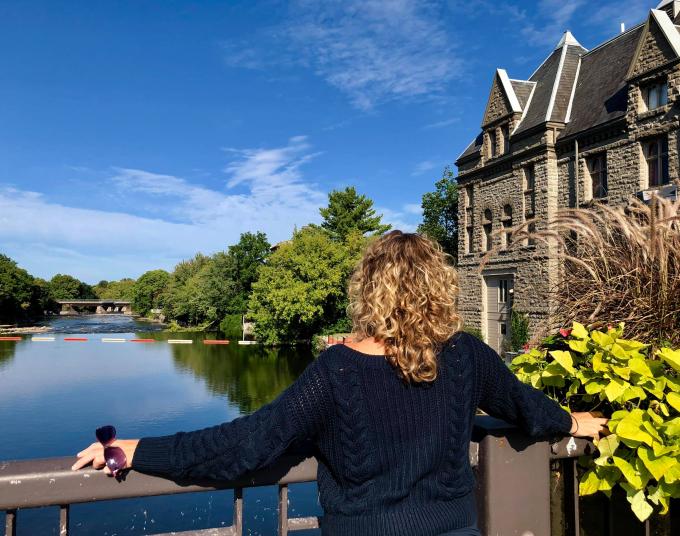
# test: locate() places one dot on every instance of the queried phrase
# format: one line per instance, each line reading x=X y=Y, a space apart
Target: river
x=54 y=394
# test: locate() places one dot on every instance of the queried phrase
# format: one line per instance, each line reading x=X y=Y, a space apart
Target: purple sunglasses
x=114 y=456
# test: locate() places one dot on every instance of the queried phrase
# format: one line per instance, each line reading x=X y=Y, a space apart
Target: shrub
x=232 y=326
x=475 y=332
x=638 y=389
x=519 y=330
x=620 y=263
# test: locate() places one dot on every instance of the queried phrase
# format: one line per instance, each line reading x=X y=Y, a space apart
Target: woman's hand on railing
x=95 y=454
x=588 y=424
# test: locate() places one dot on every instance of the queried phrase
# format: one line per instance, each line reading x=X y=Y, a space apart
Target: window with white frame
x=493 y=149
x=655 y=95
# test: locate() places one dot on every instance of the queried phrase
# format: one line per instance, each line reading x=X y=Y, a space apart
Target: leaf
x=657 y=496
x=674 y=400
x=628 y=471
x=641 y=508
x=579 y=331
x=602 y=339
x=615 y=388
x=630 y=430
x=564 y=359
x=673 y=474
x=607 y=446
x=633 y=392
x=623 y=372
x=655 y=465
x=589 y=484
x=639 y=366
x=620 y=353
x=595 y=386
x=672 y=357
x=579 y=345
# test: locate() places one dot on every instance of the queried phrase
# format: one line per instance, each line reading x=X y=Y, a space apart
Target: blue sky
x=134 y=134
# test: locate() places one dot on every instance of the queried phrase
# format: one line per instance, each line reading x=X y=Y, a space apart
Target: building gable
x=502 y=99
x=658 y=45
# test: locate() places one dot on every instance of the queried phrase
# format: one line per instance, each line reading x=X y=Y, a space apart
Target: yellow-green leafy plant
x=637 y=388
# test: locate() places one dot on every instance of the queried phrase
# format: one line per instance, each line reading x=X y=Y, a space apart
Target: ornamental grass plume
x=621 y=264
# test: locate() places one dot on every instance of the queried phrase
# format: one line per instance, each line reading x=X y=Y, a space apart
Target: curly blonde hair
x=404 y=293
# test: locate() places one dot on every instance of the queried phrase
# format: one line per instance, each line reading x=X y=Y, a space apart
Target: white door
x=498 y=309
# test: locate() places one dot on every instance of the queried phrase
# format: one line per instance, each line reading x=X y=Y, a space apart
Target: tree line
x=291 y=290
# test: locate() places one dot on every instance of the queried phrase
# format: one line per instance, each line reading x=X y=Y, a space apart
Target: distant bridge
x=101 y=307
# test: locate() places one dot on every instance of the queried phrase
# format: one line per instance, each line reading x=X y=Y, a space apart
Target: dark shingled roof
x=522 y=89
x=545 y=82
x=567 y=80
x=601 y=91
x=474 y=147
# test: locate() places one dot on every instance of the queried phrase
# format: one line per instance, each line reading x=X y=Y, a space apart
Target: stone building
x=588 y=125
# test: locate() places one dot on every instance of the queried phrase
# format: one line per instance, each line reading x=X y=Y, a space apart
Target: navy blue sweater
x=393 y=457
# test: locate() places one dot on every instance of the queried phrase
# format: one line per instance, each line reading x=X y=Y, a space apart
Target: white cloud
x=413 y=208
x=443 y=123
x=555 y=17
x=371 y=50
x=265 y=190
x=423 y=167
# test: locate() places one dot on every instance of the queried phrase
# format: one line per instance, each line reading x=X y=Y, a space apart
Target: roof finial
x=568 y=39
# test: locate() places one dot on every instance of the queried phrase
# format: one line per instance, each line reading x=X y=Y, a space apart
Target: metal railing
x=524 y=487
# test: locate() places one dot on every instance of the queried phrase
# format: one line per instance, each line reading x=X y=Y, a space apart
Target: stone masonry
x=609 y=115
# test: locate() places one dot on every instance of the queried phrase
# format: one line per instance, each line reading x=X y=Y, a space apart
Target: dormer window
x=505 y=133
x=493 y=148
x=655 y=95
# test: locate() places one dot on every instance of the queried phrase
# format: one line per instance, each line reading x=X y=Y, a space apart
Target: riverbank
x=25 y=330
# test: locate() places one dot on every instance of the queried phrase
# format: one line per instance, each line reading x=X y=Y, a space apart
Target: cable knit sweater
x=393 y=457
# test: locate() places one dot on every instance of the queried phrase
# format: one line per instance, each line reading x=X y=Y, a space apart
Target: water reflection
x=249 y=376
x=65 y=390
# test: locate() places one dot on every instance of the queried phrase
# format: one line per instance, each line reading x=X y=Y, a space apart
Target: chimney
x=623 y=27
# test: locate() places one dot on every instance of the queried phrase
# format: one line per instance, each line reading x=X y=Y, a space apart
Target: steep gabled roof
x=669 y=32
x=601 y=93
x=554 y=81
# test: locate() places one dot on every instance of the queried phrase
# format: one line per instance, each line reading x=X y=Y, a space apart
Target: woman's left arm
x=231 y=449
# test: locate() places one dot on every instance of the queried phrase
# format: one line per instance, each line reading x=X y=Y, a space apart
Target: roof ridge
x=617 y=36
x=556 y=84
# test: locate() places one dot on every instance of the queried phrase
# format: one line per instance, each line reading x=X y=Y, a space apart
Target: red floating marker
x=215 y=341
x=11 y=338
x=75 y=339
x=142 y=340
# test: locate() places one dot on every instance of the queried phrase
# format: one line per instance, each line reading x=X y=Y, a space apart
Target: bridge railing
x=523 y=488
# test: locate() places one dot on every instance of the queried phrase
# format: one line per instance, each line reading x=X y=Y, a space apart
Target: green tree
x=115 y=290
x=21 y=295
x=440 y=213
x=302 y=288
x=182 y=301
x=246 y=257
x=147 y=291
x=348 y=211
x=67 y=287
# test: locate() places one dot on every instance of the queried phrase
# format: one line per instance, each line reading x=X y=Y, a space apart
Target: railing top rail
x=51 y=482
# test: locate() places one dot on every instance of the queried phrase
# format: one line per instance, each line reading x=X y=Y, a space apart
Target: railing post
x=283 y=510
x=238 y=512
x=11 y=523
x=513 y=480
x=63 y=520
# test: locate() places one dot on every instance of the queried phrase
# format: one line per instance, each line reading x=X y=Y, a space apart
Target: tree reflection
x=7 y=350
x=250 y=376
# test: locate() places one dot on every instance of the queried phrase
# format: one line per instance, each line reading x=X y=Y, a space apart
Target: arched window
x=506 y=222
x=487 y=225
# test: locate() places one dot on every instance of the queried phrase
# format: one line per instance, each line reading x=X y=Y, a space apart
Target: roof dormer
x=671 y=7
x=503 y=101
x=659 y=44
